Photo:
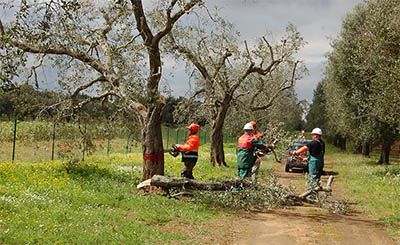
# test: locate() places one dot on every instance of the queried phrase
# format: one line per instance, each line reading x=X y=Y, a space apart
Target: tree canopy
x=362 y=85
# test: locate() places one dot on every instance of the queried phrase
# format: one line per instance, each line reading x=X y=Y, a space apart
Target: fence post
x=84 y=143
x=53 y=138
x=127 y=144
x=108 y=145
x=14 y=138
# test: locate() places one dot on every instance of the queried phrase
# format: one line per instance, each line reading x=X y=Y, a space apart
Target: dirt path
x=310 y=225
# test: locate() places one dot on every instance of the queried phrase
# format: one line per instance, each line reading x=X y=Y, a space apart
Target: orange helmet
x=194 y=127
x=254 y=123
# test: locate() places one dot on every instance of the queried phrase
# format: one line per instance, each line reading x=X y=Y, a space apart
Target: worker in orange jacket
x=190 y=150
x=246 y=152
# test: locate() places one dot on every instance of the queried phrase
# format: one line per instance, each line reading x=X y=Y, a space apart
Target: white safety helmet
x=317 y=131
x=248 y=126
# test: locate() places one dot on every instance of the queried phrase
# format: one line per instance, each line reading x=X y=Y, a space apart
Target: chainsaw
x=271 y=146
x=173 y=151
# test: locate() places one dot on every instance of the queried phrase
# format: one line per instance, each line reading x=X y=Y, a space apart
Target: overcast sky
x=317 y=20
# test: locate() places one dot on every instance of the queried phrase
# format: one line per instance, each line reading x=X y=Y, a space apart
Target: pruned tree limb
x=60 y=50
x=124 y=46
x=171 y=20
x=269 y=47
x=248 y=52
x=1 y=28
x=33 y=70
x=93 y=98
x=190 y=56
x=283 y=86
x=141 y=22
x=87 y=85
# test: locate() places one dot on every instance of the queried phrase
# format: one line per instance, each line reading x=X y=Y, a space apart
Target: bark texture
x=167 y=183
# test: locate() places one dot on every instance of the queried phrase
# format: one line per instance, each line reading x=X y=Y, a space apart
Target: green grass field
x=375 y=188
x=98 y=203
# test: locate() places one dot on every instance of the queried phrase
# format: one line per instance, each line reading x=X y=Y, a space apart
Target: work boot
x=190 y=175
x=185 y=174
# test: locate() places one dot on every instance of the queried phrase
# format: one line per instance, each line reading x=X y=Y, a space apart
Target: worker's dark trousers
x=188 y=169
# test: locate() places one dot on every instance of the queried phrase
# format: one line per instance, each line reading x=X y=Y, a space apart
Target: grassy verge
x=98 y=203
x=375 y=188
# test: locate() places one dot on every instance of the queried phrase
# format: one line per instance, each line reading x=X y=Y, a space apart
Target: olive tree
x=226 y=71
x=109 y=50
x=362 y=86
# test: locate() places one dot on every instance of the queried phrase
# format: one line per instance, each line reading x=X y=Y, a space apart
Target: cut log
x=185 y=183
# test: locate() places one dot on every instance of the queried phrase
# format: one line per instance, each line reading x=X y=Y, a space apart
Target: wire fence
x=37 y=141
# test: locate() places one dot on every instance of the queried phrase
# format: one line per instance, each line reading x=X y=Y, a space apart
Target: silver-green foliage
x=362 y=83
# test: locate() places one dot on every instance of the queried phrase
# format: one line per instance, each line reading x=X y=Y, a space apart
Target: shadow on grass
x=327 y=173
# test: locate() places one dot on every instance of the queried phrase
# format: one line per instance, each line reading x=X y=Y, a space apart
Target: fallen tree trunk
x=184 y=183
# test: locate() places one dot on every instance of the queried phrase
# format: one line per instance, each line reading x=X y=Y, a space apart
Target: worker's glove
x=304 y=159
x=259 y=153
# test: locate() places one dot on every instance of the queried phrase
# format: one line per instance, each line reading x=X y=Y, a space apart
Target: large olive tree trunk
x=153 y=152
x=217 y=154
x=152 y=143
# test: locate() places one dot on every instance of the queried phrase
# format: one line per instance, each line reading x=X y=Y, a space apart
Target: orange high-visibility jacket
x=192 y=144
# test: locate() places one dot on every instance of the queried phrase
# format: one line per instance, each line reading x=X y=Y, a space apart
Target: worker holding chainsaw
x=247 y=154
x=189 y=150
x=316 y=148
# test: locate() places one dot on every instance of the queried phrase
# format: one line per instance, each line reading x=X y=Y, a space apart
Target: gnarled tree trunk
x=153 y=151
x=217 y=154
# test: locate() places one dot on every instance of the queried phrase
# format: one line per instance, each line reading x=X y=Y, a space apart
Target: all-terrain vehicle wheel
x=287 y=167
